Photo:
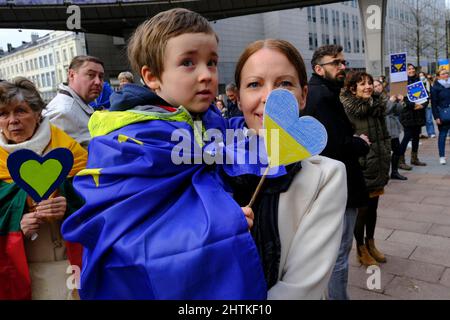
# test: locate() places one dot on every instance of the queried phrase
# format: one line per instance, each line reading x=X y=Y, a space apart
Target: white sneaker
x=442 y=160
x=433 y=136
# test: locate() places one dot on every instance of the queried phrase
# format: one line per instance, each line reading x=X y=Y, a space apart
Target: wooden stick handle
x=258 y=188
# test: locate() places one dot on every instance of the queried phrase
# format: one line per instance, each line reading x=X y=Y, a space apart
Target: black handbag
x=444 y=115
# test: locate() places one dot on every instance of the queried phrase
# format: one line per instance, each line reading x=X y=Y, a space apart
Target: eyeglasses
x=335 y=63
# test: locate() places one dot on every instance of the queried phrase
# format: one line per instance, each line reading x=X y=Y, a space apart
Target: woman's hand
x=249 y=215
x=393 y=98
x=52 y=209
x=400 y=97
x=30 y=224
x=438 y=121
x=418 y=107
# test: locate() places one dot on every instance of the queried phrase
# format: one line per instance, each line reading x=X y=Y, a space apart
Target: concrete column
x=373 y=14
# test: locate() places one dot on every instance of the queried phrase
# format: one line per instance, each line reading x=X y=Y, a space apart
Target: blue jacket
x=440 y=97
x=102 y=101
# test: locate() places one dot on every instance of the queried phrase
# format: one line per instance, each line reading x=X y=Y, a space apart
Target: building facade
x=43 y=60
x=339 y=23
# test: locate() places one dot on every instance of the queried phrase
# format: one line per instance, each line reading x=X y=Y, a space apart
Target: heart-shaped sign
x=289 y=138
x=40 y=176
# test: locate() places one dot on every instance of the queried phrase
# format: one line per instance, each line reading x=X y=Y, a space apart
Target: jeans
x=429 y=122
x=337 y=287
x=443 y=131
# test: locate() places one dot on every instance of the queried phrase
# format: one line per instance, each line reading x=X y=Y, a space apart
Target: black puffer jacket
x=410 y=117
x=368 y=117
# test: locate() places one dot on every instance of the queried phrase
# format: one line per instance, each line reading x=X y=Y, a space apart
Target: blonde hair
x=148 y=43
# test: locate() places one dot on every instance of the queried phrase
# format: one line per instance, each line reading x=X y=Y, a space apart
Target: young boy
x=152 y=229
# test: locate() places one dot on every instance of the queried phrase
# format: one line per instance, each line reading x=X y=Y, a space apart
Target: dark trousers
x=366 y=219
x=410 y=134
x=395 y=146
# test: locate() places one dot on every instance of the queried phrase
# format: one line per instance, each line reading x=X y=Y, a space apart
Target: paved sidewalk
x=413 y=230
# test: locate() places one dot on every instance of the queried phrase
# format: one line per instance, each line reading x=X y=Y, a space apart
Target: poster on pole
x=398 y=67
x=399 y=75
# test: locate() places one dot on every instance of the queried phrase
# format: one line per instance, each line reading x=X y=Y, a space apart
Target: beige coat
x=310 y=222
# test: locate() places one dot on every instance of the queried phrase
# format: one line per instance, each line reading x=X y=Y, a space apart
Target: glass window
x=50 y=59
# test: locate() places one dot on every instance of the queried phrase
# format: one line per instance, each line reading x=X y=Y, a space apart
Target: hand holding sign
x=40 y=176
x=289 y=138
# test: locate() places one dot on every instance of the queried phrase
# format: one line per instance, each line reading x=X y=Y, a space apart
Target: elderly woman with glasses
x=33 y=268
x=440 y=103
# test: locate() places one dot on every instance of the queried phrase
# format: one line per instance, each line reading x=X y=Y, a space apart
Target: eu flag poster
x=417 y=92
x=398 y=67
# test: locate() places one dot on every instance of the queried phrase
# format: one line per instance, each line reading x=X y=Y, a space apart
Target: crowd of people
x=142 y=227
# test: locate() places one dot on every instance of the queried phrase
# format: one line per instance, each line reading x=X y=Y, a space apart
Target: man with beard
x=323 y=103
x=70 y=109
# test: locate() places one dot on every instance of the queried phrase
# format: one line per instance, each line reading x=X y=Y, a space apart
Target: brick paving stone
x=446 y=210
x=417 y=207
x=437 y=218
x=439 y=230
x=439 y=255
x=445 y=279
x=356 y=293
x=443 y=201
x=413 y=289
x=419 y=239
x=434 y=182
x=442 y=188
x=412 y=269
x=394 y=198
x=391 y=213
x=403 y=224
x=382 y=233
x=396 y=249
x=418 y=192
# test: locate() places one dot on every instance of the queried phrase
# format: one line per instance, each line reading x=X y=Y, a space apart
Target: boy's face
x=190 y=74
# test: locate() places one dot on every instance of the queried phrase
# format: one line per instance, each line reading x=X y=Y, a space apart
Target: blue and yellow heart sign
x=289 y=138
x=39 y=176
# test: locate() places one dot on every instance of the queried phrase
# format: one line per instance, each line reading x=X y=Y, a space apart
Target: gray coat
x=393 y=124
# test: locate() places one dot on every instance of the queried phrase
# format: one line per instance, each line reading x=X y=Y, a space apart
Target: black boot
x=394 y=173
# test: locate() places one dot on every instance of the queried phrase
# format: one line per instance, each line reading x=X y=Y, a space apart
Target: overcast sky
x=15 y=37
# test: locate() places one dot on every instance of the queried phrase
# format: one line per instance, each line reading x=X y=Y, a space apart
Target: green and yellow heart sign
x=40 y=176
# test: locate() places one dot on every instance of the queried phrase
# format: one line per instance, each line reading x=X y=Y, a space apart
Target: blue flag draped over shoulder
x=154 y=230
